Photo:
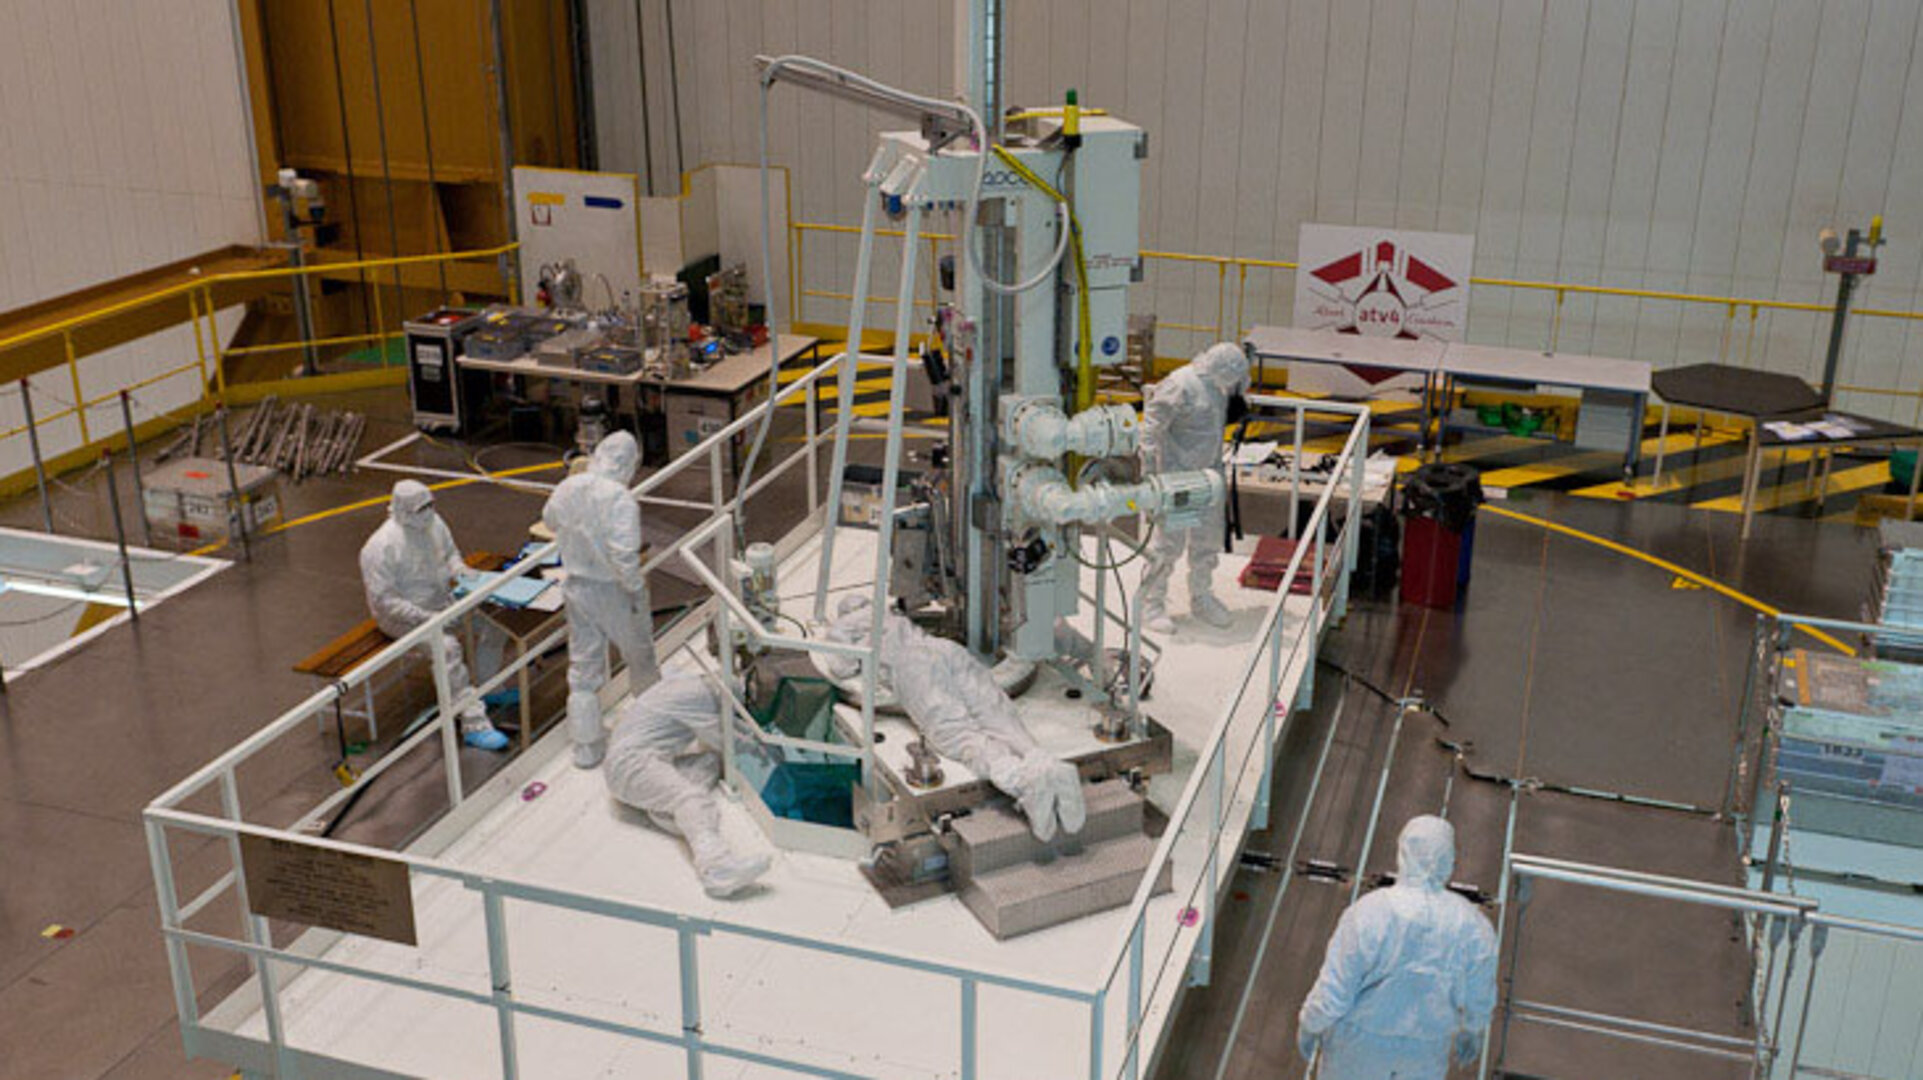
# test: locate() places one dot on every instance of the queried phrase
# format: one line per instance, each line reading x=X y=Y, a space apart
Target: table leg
x=1823 y=483
x=1752 y=469
x=1916 y=480
x=1633 y=454
x=1662 y=448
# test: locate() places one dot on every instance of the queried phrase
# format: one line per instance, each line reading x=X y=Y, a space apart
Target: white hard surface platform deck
x=774 y=999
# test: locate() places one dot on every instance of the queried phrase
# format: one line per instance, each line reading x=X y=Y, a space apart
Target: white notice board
x=1391 y=283
x=592 y=218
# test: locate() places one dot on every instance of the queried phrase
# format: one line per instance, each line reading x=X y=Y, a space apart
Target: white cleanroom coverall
x=664 y=758
x=597 y=523
x=1182 y=426
x=1410 y=973
x=953 y=700
x=408 y=569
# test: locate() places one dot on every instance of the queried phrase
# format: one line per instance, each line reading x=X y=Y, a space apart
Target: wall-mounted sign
x=1379 y=283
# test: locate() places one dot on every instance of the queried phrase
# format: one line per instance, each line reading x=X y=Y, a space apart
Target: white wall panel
x=1689 y=145
x=125 y=144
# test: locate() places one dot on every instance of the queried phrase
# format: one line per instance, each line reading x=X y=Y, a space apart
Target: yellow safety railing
x=1231 y=301
x=210 y=357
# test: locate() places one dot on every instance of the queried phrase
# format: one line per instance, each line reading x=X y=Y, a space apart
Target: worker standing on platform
x=1409 y=979
x=597 y=523
x=1182 y=425
x=408 y=568
x=664 y=759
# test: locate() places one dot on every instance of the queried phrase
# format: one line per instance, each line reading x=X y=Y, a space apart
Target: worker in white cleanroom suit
x=408 y=568
x=1410 y=974
x=1182 y=427
x=598 y=525
x=664 y=758
x=954 y=702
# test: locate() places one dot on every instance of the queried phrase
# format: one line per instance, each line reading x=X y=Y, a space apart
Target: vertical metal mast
x=978 y=47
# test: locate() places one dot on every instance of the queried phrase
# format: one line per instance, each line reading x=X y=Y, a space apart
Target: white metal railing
x=1229 y=784
x=1804 y=989
x=1208 y=804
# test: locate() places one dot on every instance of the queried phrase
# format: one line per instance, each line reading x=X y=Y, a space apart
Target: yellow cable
x=1084 y=362
x=1681 y=572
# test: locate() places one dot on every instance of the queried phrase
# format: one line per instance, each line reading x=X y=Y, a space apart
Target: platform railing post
x=969 y=1041
x=812 y=426
x=1132 y=1061
x=256 y=926
x=1522 y=893
x=450 y=724
x=1295 y=476
x=1097 y=1017
x=690 y=998
x=501 y=979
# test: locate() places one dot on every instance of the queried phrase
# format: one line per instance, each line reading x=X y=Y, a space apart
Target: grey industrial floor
x=1568 y=664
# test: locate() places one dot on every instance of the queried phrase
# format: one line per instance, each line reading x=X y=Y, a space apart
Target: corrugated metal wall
x=1692 y=145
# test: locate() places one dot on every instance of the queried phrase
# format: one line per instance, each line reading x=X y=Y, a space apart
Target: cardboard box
x=693 y=419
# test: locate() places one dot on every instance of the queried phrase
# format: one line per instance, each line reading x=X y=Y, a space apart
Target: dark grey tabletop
x=1734 y=390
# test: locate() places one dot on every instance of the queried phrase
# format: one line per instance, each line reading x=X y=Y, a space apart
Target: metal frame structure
x=1782 y=931
x=1165 y=945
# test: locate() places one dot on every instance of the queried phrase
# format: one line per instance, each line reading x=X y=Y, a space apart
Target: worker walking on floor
x=597 y=523
x=1182 y=426
x=1409 y=979
x=664 y=759
x=408 y=568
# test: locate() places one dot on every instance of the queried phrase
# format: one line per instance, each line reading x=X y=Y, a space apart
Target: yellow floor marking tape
x=1539 y=472
x=1875 y=474
x=382 y=500
x=1663 y=564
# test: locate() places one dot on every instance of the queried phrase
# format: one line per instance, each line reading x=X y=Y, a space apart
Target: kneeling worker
x=408 y=568
x=664 y=758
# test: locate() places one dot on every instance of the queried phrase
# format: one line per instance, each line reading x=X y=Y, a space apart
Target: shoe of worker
x=504 y=698
x=1207 y=608
x=1155 y=617
x=485 y=739
x=588 y=755
x=724 y=877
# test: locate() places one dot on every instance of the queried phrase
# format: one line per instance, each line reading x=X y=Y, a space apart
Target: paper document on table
x=514 y=593
x=1783 y=429
x=1250 y=454
x=1831 y=429
x=548 y=600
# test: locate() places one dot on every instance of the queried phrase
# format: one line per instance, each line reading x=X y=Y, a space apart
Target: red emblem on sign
x=1384 y=291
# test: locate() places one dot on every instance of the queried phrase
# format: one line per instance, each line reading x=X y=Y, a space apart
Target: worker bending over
x=1182 y=427
x=408 y=568
x=1409 y=976
x=953 y=700
x=664 y=759
x=597 y=523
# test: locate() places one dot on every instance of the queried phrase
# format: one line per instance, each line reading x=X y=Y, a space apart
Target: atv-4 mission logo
x=1382 y=290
